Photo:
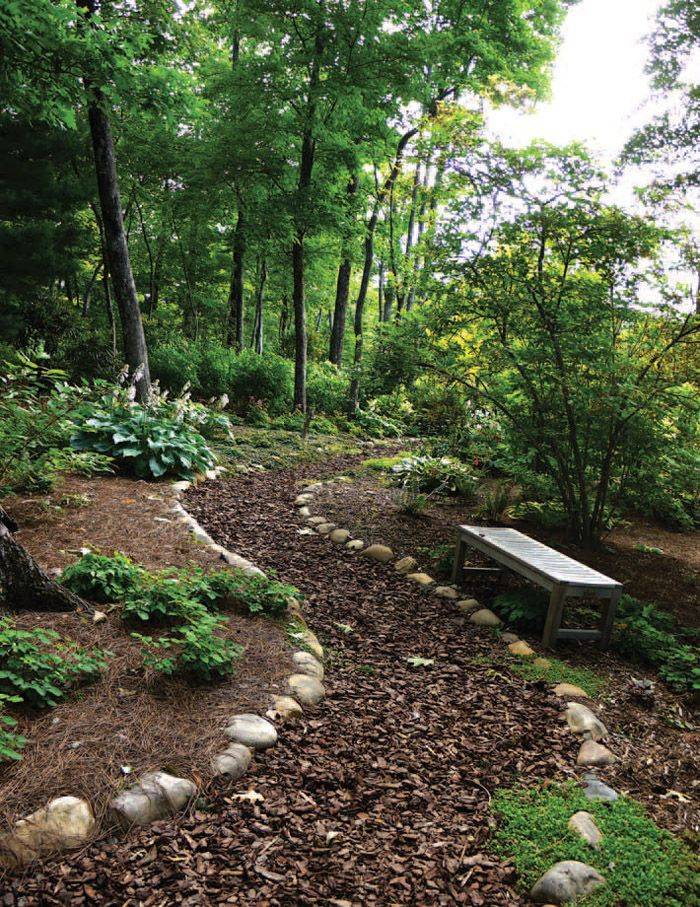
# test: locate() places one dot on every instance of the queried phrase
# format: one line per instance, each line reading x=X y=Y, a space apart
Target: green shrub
x=155 y=439
x=39 y=668
x=11 y=743
x=327 y=388
x=214 y=368
x=643 y=865
x=525 y=608
x=435 y=474
x=495 y=500
x=377 y=426
x=268 y=378
x=255 y=594
x=103 y=579
x=159 y=599
x=193 y=649
x=174 y=365
x=546 y=514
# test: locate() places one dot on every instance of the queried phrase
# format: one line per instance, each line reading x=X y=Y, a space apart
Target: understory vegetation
x=641 y=863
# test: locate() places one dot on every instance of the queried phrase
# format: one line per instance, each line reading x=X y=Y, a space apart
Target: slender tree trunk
x=235 y=299
x=389 y=294
x=380 y=291
x=300 y=329
x=135 y=350
x=259 y=307
x=342 y=292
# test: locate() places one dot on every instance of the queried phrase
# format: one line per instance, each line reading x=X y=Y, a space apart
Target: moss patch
x=384 y=464
x=644 y=866
x=559 y=672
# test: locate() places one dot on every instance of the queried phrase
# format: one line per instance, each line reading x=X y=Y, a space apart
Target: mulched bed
x=382 y=795
x=129 y=717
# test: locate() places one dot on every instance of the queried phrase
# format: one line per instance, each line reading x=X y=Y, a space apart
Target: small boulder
x=252 y=731
x=595 y=789
x=307 y=664
x=446 y=592
x=303 y=499
x=380 y=553
x=485 y=618
x=566 y=881
x=355 y=545
x=592 y=753
x=313 y=488
x=508 y=638
x=581 y=720
x=98 y=617
x=325 y=528
x=565 y=690
x=62 y=824
x=284 y=709
x=316 y=520
x=310 y=640
x=308 y=690
x=339 y=536
x=467 y=605
x=422 y=579
x=233 y=762
x=521 y=648
x=303 y=513
x=156 y=795
x=406 y=565
x=583 y=824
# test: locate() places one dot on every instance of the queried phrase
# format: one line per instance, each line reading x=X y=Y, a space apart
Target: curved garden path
x=379 y=796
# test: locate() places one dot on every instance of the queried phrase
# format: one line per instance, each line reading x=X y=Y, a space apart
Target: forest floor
x=380 y=796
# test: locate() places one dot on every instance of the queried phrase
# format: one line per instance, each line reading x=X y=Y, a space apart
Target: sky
x=598 y=86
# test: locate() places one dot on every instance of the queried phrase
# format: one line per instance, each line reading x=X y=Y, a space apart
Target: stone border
x=68 y=822
x=569 y=879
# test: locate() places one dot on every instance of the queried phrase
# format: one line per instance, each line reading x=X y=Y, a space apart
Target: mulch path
x=382 y=795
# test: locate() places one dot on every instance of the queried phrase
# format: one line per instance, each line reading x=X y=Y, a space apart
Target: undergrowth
x=643 y=865
x=559 y=672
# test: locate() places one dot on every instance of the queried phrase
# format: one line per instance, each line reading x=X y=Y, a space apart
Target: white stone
x=98 y=617
x=595 y=789
x=583 y=824
x=485 y=618
x=446 y=592
x=581 y=720
x=355 y=545
x=233 y=762
x=313 y=488
x=467 y=605
x=325 y=528
x=566 y=881
x=156 y=795
x=62 y=824
x=592 y=753
x=310 y=640
x=303 y=513
x=284 y=709
x=252 y=731
x=406 y=565
x=421 y=579
x=308 y=690
x=316 y=520
x=307 y=664
x=339 y=536
x=177 y=487
x=381 y=553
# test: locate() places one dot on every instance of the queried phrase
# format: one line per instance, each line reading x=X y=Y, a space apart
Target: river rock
x=581 y=720
x=565 y=690
x=595 y=789
x=284 y=709
x=64 y=823
x=310 y=640
x=233 y=762
x=583 y=824
x=252 y=731
x=422 y=579
x=355 y=545
x=313 y=488
x=592 y=753
x=339 y=536
x=566 y=881
x=380 y=553
x=406 y=565
x=521 y=648
x=308 y=690
x=446 y=592
x=307 y=664
x=303 y=499
x=485 y=618
x=316 y=520
x=156 y=795
x=303 y=512
x=325 y=528
x=508 y=638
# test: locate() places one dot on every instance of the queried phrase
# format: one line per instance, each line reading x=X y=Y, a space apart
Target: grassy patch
x=644 y=866
x=559 y=672
x=384 y=464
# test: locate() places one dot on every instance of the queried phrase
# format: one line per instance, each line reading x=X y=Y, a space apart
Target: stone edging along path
x=68 y=822
x=569 y=879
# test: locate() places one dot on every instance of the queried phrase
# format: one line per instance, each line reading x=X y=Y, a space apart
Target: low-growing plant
x=495 y=500
x=256 y=594
x=558 y=672
x=11 y=743
x=643 y=865
x=546 y=514
x=160 y=599
x=525 y=608
x=377 y=426
x=384 y=464
x=440 y=475
x=103 y=579
x=39 y=668
x=194 y=649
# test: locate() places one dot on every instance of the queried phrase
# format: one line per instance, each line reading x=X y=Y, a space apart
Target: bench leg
x=554 y=616
x=607 y=619
x=460 y=555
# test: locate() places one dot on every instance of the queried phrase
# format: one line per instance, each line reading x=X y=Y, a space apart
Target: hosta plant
x=442 y=475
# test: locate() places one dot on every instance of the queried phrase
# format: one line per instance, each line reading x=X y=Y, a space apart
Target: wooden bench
x=561 y=575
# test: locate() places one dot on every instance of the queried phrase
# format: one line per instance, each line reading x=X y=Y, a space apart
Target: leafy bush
x=327 y=388
x=159 y=599
x=377 y=426
x=103 y=579
x=10 y=742
x=154 y=439
x=174 y=365
x=643 y=864
x=256 y=594
x=214 y=367
x=435 y=474
x=545 y=514
x=39 y=668
x=194 y=649
x=495 y=500
x=525 y=608
x=268 y=378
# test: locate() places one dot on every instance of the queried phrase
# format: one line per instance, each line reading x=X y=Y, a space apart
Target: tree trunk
x=300 y=330
x=259 y=302
x=135 y=350
x=23 y=585
x=235 y=299
x=380 y=291
x=342 y=290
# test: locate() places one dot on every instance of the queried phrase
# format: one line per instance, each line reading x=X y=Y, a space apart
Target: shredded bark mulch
x=380 y=796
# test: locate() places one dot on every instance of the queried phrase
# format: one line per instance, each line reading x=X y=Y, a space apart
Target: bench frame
x=559 y=590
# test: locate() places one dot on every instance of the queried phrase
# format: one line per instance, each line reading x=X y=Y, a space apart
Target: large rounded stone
x=316 y=520
x=485 y=618
x=339 y=536
x=565 y=690
x=303 y=499
x=325 y=528
x=355 y=545
x=581 y=720
x=521 y=648
x=252 y=731
x=380 y=553
x=156 y=795
x=421 y=579
x=595 y=789
x=307 y=664
x=446 y=592
x=284 y=709
x=310 y=640
x=233 y=762
x=313 y=488
x=592 y=753
x=583 y=824
x=566 y=881
x=508 y=638
x=468 y=605
x=308 y=690
x=406 y=565
x=64 y=823
x=303 y=513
